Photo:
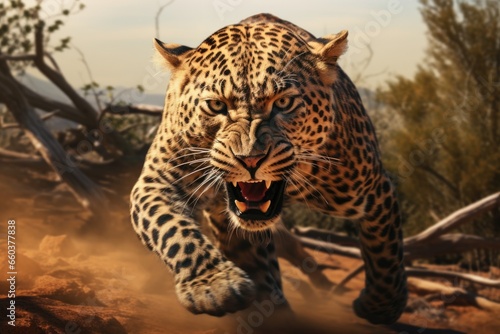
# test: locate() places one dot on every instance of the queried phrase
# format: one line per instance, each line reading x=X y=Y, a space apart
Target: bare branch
x=450 y=294
x=143 y=109
x=66 y=111
x=17 y=57
x=456 y=219
x=59 y=80
x=324 y=235
x=449 y=243
x=91 y=77
x=50 y=115
x=353 y=273
x=157 y=17
x=6 y=126
x=443 y=244
x=131 y=127
x=15 y=125
x=327 y=247
x=53 y=62
x=19 y=156
x=441 y=178
x=424 y=272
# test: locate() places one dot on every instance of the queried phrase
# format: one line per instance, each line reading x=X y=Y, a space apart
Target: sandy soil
x=75 y=279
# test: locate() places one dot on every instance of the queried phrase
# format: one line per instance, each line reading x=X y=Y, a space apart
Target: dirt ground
x=78 y=274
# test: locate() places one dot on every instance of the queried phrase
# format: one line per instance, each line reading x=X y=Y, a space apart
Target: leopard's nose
x=251 y=162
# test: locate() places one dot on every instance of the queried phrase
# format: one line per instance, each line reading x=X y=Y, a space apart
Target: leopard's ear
x=331 y=47
x=172 y=54
x=328 y=50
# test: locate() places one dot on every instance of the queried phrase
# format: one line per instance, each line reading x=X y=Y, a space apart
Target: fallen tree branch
x=129 y=109
x=423 y=272
x=353 y=273
x=449 y=243
x=444 y=244
x=19 y=156
x=49 y=115
x=327 y=247
x=324 y=235
x=456 y=219
x=5 y=126
x=450 y=295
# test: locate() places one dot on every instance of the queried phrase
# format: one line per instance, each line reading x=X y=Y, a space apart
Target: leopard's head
x=257 y=97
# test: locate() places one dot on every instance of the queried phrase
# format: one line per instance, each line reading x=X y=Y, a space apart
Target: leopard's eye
x=283 y=103
x=217 y=106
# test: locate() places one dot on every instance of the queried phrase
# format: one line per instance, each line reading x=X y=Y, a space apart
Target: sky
x=116 y=36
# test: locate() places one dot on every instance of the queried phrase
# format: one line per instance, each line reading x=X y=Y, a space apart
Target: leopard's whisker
x=197 y=170
x=292 y=182
x=313 y=164
x=193 y=153
x=215 y=178
x=231 y=230
x=307 y=174
x=192 y=162
x=291 y=61
x=318 y=157
x=220 y=183
x=314 y=191
x=203 y=183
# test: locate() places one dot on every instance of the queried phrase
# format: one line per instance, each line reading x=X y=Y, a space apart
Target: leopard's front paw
x=225 y=289
x=380 y=312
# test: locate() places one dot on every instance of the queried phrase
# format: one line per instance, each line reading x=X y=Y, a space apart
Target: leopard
x=261 y=117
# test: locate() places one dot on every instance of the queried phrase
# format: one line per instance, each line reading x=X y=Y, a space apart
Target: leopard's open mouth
x=256 y=200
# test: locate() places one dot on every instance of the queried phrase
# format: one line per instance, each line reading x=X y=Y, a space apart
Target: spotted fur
x=263 y=100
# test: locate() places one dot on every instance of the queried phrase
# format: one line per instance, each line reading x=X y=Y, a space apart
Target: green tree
x=443 y=138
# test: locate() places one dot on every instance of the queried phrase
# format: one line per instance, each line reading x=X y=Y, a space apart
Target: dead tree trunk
x=86 y=192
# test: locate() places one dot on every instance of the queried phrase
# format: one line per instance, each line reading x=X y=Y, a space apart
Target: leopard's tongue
x=253 y=192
